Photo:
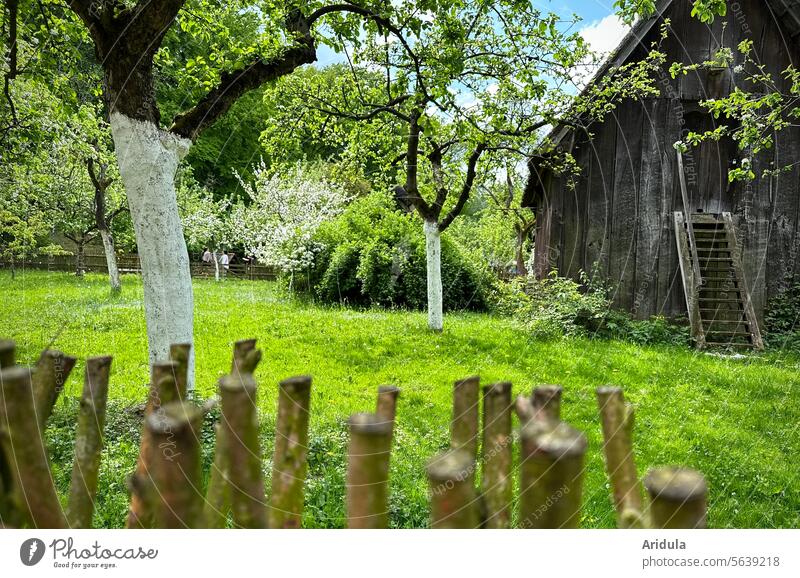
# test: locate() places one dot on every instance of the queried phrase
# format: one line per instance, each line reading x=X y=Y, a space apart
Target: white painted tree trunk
x=216 y=266
x=111 y=260
x=433 y=257
x=148 y=160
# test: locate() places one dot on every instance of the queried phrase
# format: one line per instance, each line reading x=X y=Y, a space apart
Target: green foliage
x=781 y=318
x=556 y=307
x=375 y=255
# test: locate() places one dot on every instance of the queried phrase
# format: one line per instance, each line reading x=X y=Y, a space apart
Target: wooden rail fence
x=129 y=264
x=167 y=489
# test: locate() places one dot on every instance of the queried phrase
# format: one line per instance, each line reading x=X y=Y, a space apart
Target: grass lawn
x=736 y=420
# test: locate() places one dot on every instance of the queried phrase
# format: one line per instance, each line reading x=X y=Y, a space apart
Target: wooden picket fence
x=167 y=485
x=129 y=264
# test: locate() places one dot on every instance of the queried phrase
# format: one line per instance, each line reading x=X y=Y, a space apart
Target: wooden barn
x=710 y=249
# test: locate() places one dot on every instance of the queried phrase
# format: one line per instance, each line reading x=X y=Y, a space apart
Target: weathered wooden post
x=240 y=419
x=179 y=353
x=617 y=422
x=34 y=493
x=52 y=371
x=88 y=443
x=546 y=401
x=466 y=417
x=678 y=498
x=289 y=462
x=454 y=504
x=163 y=390
x=368 y=471
x=175 y=461
x=496 y=483
x=218 y=501
x=386 y=408
x=523 y=406
x=551 y=475
x=7 y=353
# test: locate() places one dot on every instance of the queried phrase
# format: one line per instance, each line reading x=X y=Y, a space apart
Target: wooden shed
x=718 y=250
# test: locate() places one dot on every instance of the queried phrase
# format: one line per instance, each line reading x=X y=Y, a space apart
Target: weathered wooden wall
x=618 y=217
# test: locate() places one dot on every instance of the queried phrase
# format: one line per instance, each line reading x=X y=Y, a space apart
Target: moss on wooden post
x=218 y=498
x=496 y=483
x=289 y=461
x=240 y=419
x=34 y=494
x=617 y=422
x=454 y=504
x=177 y=494
x=466 y=417
x=7 y=353
x=551 y=475
x=368 y=471
x=179 y=353
x=88 y=443
x=678 y=498
x=52 y=371
x=163 y=390
x=546 y=401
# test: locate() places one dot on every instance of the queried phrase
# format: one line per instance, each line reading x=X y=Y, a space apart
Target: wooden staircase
x=720 y=310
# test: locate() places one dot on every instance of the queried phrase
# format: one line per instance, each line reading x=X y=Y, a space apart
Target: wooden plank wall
x=619 y=214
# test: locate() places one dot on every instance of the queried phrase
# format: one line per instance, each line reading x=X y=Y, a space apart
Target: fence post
x=240 y=419
x=7 y=353
x=496 y=484
x=552 y=475
x=289 y=462
x=465 y=422
x=52 y=371
x=218 y=500
x=617 y=423
x=386 y=408
x=179 y=353
x=546 y=401
x=368 y=471
x=677 y=498
x=88 y=443
x=162 y=391
x=454 y=503
x=176 y=465
x=34 y=493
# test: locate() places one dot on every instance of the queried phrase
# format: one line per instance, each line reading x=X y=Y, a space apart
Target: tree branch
x=466 y=189
x=232 y=85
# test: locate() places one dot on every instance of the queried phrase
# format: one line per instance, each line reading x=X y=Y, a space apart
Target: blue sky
x=599 y=26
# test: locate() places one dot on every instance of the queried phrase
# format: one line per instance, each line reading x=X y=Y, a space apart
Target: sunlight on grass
x=736 y=420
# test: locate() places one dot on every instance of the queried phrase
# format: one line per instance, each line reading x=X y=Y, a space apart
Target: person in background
x=207 y=256
x=225 y=262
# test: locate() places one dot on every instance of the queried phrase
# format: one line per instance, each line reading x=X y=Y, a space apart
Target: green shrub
x=375 y=255
x=557 y=307
x=781 y=318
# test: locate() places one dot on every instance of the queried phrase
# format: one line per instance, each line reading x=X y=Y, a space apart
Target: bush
x=557 y=307
x=374 y=254
x=781 y=317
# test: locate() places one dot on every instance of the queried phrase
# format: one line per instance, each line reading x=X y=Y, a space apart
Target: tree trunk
x=433 y=256
x=111 y=260
x=79 y=260
x=520 y=254
x=148 y=160
x=216 y=265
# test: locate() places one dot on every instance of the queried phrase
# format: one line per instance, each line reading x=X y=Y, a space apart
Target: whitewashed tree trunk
x=111 y=260
x=216 y=266
x=433 y=255
x=148 y=160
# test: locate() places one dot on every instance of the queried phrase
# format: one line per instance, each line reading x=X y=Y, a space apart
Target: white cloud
x=603 y=36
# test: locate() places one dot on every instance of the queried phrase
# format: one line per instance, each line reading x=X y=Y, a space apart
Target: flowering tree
x=286 y=211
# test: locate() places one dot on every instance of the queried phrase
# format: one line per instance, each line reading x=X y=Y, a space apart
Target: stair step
x=712 y=300
x=732 y=344
x=716 y=259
